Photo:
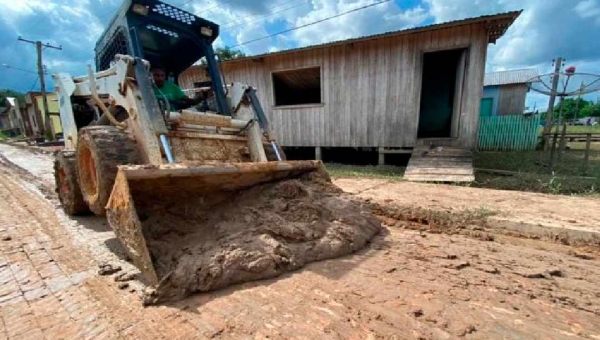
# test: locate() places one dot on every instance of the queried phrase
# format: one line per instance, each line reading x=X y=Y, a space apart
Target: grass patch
x=581 y=146
x=547 y=184
x=575 y=129
x=536 y=162
x=369 y=171
x=535 y=175
x=3 y=135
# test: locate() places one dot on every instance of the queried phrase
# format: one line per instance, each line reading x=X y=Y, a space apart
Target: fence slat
x=508 y=133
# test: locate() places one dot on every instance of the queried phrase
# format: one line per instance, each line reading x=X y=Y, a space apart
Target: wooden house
x=388 y=92
x=504 y=92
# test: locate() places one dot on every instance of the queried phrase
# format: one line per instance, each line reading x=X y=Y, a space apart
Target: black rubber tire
x=100 y=150
x=67 y=185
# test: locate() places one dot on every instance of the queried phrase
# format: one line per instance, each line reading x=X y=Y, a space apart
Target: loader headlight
x=206 y=31
x=140 y=9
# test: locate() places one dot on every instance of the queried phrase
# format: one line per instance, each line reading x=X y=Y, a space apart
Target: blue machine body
x=164 y=35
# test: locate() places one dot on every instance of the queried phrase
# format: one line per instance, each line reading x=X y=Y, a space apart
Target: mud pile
x=206 y=243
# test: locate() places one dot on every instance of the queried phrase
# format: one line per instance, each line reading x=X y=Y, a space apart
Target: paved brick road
x=406 y=285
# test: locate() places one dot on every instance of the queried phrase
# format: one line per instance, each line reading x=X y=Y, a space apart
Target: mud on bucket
x=197 y=228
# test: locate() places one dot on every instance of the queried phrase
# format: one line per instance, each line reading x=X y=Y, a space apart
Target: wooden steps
x=440 y=164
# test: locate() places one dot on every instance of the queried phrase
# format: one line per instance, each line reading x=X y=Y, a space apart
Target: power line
x=310 y=24
x=12 y=54
x=20 y=69
x=33 y=85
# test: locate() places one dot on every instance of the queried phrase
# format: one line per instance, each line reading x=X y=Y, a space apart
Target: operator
x=168 y=90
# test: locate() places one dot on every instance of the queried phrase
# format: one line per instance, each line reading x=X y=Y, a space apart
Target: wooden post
x=381 y=157
x=588 y=145
x=49 y=127
x=257 y=150
x=550 y=112
x=48 y=123
x=318 y=155
x=563 y=142
x=553 y=149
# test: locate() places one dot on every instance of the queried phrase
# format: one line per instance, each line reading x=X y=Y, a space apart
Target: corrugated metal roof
x=497 y=26
x=509 y=77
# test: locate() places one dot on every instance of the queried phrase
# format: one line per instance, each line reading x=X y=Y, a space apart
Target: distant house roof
x=510 y=77
x=497 y=25
x=12 y=101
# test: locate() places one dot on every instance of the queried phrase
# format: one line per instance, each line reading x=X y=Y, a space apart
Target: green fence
x=508 y=133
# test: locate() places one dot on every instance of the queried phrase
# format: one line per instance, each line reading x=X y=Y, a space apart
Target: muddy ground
x=417 y=279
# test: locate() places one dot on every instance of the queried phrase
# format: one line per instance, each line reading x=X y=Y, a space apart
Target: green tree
x=572 y=108
x=226 y=53
x=10 y=93
x=591 y=110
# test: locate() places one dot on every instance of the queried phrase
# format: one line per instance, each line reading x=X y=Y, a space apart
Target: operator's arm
x=180 y=96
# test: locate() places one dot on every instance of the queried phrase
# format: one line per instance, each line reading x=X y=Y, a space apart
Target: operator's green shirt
x=169 y=90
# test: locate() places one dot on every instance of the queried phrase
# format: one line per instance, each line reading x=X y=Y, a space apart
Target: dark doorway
x=438 y=93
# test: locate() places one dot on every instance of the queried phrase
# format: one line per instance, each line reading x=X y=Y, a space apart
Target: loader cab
x=164 y=35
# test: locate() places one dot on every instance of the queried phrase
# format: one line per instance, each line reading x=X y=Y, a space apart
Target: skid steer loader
x=129 y=156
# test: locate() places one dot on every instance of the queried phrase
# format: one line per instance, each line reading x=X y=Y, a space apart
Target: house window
x=297 y=87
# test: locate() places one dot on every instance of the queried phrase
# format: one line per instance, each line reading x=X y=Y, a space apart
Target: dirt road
x=406 y=285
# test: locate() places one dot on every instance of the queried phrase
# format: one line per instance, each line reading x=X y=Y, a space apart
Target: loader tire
x=67 y=185
x=100 y=150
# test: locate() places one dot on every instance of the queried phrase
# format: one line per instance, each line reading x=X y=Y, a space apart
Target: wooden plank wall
x=512 y=99
x=371 y=89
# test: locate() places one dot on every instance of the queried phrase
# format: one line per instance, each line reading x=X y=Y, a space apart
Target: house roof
x=510 y=77
x=497 y=25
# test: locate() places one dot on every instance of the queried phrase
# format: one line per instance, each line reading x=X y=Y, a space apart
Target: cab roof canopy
x=158 y=32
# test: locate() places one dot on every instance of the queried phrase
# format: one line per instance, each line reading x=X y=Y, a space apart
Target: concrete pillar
x=318 y=155
x=381 y=156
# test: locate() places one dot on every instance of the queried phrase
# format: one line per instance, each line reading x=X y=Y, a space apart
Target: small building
x=504 y=92
x=11 y=122
x=382 y=92
x=36 y=115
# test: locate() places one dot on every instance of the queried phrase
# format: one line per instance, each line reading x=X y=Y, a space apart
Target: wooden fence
x=508 y=133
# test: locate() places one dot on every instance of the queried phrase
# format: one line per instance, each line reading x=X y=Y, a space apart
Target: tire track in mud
x=7 y=167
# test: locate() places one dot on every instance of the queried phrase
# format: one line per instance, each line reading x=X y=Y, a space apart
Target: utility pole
x=550 y=113
x=38 y=46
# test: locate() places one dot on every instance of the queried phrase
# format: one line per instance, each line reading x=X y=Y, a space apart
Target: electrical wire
x=310 y=24
x=12 y=54
x=34 y=83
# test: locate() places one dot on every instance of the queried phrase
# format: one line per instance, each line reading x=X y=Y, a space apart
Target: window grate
x=117 y=45
x=163 y=31
x=174 y=13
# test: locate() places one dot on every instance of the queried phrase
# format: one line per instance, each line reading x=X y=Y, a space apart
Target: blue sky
x=546 y=28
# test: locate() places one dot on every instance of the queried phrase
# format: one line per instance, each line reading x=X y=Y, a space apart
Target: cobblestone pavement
x=406 y=285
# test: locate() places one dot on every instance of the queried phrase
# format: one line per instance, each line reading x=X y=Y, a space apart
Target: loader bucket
x=175 y=197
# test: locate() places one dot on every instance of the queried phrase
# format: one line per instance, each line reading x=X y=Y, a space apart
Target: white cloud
x=545 y=29
x=376 y=19
x=588 y=9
